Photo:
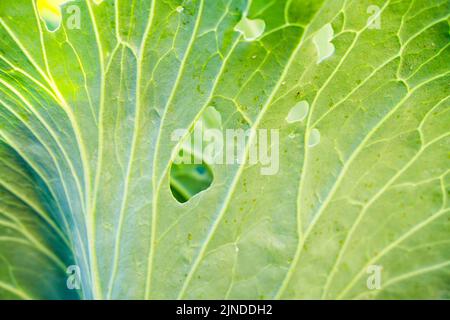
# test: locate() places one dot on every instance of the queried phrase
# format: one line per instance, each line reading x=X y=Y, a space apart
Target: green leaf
x=87 y=173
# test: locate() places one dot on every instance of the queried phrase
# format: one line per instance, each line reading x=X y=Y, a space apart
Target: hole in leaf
x=190 y=172
x=298 y=112
x=322 y=40
x=250 y=29
x=50 y=13
x=188 y=180
x=314 y=138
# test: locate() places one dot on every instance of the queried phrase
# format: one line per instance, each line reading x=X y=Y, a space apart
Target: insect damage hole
x=322 y=40
x=298 y=112
x=189 y=179
x=50 y=12
x=314 y=138
x=250 y=29
x=190 y=171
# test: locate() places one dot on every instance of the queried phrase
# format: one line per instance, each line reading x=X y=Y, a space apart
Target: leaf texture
x=86 y=117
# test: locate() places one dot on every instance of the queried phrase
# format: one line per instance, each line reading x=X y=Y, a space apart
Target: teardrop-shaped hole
x=189 y=179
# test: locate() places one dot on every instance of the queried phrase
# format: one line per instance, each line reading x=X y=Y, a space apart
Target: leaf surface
x=87 y=115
